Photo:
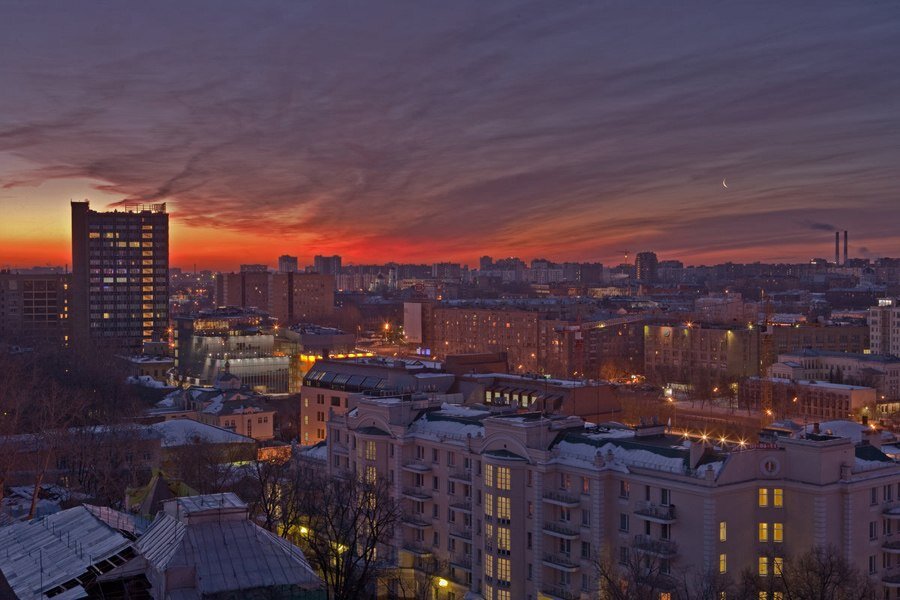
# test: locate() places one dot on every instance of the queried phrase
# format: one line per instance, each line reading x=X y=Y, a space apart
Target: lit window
x=488 y=565
x=763 y=566
x=763 y=497
x=502 y=508
x=778 y=497
x=778 y=532
x=370 y=450
x=502 y=478
x=489 y=505
x=503 y=569
x=489 y=475
x=723 y=563
x=777 y=565
x=764 y=532
x=723 y=531
x=503 y=539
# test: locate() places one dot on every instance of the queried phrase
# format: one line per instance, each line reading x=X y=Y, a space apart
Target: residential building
x=120 y=275
x=645 y=267
x=289 y=297
x=238 y=410
x=525 y=505
x=780 y=339
x=884 y=327
x=34 y=308
x=327 y=265
x=870 y=370
x=805 y=399
x=287 y=264
x=700 y=354
x=329 y=384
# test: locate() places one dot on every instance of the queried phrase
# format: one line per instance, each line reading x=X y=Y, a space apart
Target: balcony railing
x=463 y=562
x=655 y=546
x=417 y=493
x=461 y=532
x=657 y=512
x=560 y=561
x=561 y=531
x=559 y=593
x=462 y=475
x=417 y=466
x=463 y=505
x=562 y=499
x=415 y=520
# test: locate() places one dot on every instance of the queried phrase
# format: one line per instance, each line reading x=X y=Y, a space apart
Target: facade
x=884 y=327
x=329 y=384
x=287 y=264
x=289 y=297
x=780 y=339
x=327 y=265
x=645 y=267
x=870 y=370
x=34 y=308
x=700 y=354
x=810 y=400
x=524 y=506
x=120 y=275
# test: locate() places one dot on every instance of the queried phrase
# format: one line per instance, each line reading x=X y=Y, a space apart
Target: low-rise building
x=878 y=371
x=807 y=399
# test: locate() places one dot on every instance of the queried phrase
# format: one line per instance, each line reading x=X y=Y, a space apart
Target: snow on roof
x=182 y=432
x=318 y=451
x=65 y=544
x=437 y=426
x=225 y=555
x=146 y=381
x=458 y=410
x=844 y=429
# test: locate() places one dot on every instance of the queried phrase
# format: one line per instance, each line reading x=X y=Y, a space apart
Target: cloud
x=507 y=127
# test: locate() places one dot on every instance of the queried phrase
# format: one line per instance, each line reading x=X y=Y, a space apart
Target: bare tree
x=821 y=572
x=422 y=580
x=635 y=575
x=348 y=522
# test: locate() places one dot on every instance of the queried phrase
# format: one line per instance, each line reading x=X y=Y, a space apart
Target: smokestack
x=845 y=246
x=837 y=247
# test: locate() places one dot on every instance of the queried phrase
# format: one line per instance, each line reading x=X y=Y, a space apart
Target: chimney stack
x=837 y=247
x=845 y=246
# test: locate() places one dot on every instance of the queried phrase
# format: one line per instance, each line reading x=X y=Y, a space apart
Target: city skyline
x=443 y=134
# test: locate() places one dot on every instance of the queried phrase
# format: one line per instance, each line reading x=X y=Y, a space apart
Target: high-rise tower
x=120 y=275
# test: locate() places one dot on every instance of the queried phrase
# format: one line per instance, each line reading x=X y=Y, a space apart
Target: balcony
x=420 y=494
x=892 y=513
x=461 y=532
x=891 y=581
x=414 y=521
x=464 y=563
x=560 y=531
x=462 y=505
x=891 y=547
x=556 y=592
x=561 y=499
x=417 y=549
x=655 y=546
x=656 y=513
x=464 y=475
x=417 y=467
x=560 y=562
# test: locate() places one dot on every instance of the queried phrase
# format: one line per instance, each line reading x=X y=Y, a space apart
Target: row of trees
x=816 y=574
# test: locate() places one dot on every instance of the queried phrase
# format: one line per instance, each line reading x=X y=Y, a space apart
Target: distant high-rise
x=254 y=268
x=645 y=266
x=485 y=263
x=327 y=265
x=34 y=308
x=287 y=264
x=120 y=275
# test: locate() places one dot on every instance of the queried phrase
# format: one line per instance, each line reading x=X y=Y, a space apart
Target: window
x=489 y=475
x=764 y=532
x=585 y=518
x=873 y=531
x=623 y=522
x=763 y=566
x=873 y=496
x=778 y=565
x=585 y=485
x=565 y=515
x=665 y=497
x=723 y=563
x=763 y=497
x=873 y=568
x=585 y=549
x=502 y=478
x=370 y=450
x=528 y=540
x=624 y=489
x=502 y=508
x=565 y=481
x=489 y=505
x=778 y=498
x=778 y=532
x=434 y=455
x=503 y=540
x=723 y=531
x=335 y=401
x=623 y=555
x=488 y=565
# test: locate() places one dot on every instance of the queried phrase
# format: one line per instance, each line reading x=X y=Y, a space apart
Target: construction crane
x=625 y=252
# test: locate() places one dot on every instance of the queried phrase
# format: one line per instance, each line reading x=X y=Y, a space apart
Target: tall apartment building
x=646 y=266
x=34 y=308
x=287 y=264
x=884 y=327
x=289 y=297
x=120 y=275
x=327 y=265
x=525 y=506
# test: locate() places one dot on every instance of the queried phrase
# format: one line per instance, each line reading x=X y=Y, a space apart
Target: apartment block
x=884 y=327
x=34 y=308
x=120 y=275
x=289 y=297
x=693 y=353
x=878 y=371
x=523 y=506
x=805 y=399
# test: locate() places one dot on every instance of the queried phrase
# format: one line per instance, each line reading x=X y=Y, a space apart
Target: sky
x=423 y=131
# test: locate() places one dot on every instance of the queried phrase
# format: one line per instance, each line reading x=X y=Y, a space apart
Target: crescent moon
x=724 y=185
